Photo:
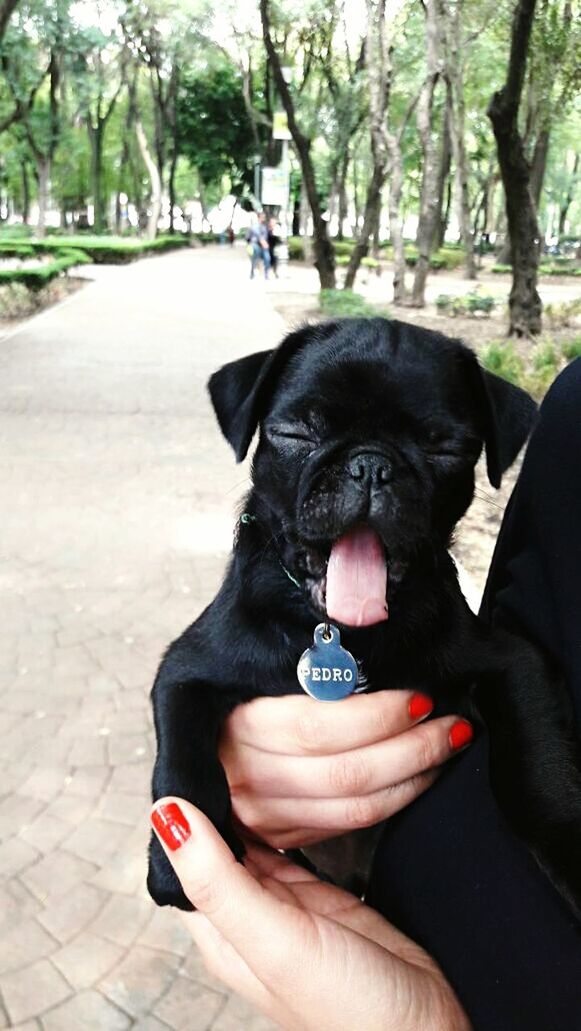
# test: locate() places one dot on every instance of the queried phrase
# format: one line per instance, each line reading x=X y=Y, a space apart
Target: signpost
x=281 y=131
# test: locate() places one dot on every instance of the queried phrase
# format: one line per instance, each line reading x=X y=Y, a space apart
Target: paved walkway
x=117 y=509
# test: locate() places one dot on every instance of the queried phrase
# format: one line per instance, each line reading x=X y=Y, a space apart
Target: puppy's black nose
x=370 y=470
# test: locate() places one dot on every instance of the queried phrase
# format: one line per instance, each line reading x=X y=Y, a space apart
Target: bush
x=344 y=302
x=296 y=249
x=343 y=247
x=370 y=263
x=501 y=270
x=16 y=250
x=560 y=316
x=559 y=270
x=109 y=250
x=572 y=348
x=37 y=278
x=475 y=304
x=536 y=371
x=342 y=259
x=502 y=359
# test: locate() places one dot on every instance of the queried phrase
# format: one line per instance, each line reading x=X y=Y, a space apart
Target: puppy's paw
x=162 y=883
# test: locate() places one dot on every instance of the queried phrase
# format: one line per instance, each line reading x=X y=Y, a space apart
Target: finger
x=267 y=862
x=359 y=771
x=244 y=913
x=296 y=725
x=223 y=962
x=332 y=902
x=271 y=817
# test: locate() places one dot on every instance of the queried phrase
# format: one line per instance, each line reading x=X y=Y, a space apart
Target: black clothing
x=448 y=871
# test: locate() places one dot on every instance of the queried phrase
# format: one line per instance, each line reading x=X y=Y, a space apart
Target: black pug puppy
x=369 y=434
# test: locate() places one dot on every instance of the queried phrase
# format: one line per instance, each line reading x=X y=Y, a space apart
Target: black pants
x=448 y=871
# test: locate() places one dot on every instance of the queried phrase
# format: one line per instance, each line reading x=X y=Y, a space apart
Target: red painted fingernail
x=420 y=705
x=171 y=825
x=460 y=735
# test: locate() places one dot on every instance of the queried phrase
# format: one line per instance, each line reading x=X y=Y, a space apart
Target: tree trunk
x=443 y=173
x=155 y=179
x=304 y=226
x=372 y=208
x=539 y=165
x=7 y=7
x=43 y=169
x=171 y=184
x=324 y=254
x=343 y=202
x=25 y=193
x=378 y=76
x=564 y=208
x=96 y=141
x=524 y=301
x=429 y=191
x=395 y=228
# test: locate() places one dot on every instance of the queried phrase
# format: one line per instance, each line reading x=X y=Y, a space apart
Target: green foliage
x=572 y=348
x=214 y=130
x=296 y=248
x=474 y=304
x=562 y=315
x=103 y=250
x=502 y=270
x=341 y=260
x=535 y=369
x=341 y=303
x=370 y=263
x=37 y=278
x=502 y=359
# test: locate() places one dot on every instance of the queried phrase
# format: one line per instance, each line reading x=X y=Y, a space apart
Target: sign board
x=280 y=129
x=274 y=186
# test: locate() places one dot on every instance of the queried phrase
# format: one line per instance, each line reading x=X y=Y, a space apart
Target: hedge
x=104 y=250
x=37 y=278
x=447 y=257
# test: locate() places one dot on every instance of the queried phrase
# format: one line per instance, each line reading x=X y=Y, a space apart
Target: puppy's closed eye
x=289 y=433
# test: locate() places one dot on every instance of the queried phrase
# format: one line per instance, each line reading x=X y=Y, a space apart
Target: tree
x=454 y=50
x=7 y=8
x=429 y=191
x=524 y=301
x=214 y=130
x=324 y=257
x=378 y=77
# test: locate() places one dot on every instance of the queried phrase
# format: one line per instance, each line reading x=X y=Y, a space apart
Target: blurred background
x=417 y=159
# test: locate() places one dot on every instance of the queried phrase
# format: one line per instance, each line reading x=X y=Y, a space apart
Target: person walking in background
x=273 y=242
x=258 y=249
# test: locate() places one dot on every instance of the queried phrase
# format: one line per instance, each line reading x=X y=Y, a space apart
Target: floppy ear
x=241 y=390
x=509 y=415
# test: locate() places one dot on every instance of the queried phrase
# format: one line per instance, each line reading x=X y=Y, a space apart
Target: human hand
x=301 y=771
x=306 y=953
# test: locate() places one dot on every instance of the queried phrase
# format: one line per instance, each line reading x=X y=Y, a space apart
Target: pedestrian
x=273 y=242
x=258 y=245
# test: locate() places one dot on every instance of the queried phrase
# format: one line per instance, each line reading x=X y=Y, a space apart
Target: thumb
x=246 y=914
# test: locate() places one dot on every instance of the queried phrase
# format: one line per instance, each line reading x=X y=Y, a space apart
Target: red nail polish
x=460 y=735
x=171 y=825
x=419 y=706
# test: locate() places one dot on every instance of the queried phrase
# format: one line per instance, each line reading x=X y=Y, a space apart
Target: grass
x=535 y=369
x=340 y=303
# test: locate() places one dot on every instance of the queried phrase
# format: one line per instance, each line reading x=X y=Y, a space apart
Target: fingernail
x=460 y=735
x=171 y=825
x=420 y=705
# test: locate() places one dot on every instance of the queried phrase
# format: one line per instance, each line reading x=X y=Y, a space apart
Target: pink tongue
x=357 y=579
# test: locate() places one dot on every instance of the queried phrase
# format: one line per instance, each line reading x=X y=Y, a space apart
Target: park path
x=117 y=510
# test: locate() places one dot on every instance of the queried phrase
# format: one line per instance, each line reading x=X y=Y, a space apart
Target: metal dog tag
x=326 y=671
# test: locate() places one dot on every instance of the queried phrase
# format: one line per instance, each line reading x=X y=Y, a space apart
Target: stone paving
x=118 y=500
